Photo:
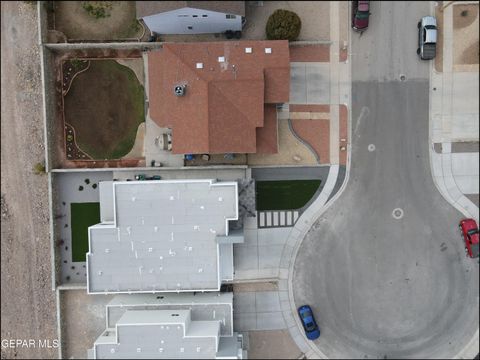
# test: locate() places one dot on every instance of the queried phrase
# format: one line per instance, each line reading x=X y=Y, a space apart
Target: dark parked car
x=360 y=15
x=308 y=321
x=469 y=230
x=427 y=38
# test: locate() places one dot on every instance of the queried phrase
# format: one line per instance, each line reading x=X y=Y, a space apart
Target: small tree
x=39 y=168
x=283 y=25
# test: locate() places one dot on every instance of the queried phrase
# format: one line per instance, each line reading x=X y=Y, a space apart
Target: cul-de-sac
x=240 y=179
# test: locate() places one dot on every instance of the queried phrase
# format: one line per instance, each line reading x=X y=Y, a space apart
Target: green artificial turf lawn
x=83 y=215
x=284 y=194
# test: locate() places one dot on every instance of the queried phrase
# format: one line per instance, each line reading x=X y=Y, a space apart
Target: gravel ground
x=83 y=321
x=28 y=306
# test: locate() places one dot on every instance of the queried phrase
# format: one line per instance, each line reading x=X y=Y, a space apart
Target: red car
x=469 y=230
x=360 y=14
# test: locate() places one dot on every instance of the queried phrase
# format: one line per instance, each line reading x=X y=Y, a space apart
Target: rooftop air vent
x=179 y=90
x=268 y=50
x=199 y=65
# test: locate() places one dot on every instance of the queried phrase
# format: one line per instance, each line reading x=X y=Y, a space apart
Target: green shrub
x=283 y=25
x=39 y=168
x=97 y=9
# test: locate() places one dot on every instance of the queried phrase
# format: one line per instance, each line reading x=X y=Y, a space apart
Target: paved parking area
x=259 y=256
x=257 y=311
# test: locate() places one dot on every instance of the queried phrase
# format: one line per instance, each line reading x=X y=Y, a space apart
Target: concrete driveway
x=309 y=83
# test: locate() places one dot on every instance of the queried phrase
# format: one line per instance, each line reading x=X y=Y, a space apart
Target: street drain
x=397 y=213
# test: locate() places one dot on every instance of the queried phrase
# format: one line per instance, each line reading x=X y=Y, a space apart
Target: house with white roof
x=163 y=236
x=191 y=17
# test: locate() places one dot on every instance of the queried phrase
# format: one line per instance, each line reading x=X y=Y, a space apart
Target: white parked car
x=427 y=38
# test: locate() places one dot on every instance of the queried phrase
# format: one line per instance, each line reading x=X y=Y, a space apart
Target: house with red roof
x=219 y=97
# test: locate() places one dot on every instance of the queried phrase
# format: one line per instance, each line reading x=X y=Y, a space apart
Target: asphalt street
x=384 y=268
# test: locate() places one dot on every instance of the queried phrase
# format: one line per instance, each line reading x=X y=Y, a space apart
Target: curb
x=440 y=167
x=294 y=242
x=470 y=350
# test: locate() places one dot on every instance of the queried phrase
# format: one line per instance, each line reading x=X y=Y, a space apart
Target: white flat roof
x=163 y=237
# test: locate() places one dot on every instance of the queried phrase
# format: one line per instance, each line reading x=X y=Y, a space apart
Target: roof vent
x=221 y=59
x=268 y=50
x=199 y=66
x=248 y=50
x=179 y=90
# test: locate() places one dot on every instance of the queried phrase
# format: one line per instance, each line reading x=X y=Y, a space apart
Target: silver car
x=427 y=38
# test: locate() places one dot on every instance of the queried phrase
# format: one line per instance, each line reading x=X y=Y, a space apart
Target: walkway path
x=454 y=121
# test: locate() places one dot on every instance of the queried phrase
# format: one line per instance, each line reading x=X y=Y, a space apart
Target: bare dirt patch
x=272 y=344
x=291 y=151
x=314 y=15
x=465 y=34
x=28 y=308
x=105 y=106
x=464 y=15
x=439 y=57
x=77 y=24
x=470 y=54
x=83 y=321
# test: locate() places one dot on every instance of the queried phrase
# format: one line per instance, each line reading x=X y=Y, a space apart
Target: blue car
x=308 y=321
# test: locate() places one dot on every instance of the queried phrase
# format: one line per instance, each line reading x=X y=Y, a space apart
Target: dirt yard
x=291 y=151
x=83 y=321
x=77 y=24
x=272 y=344
x=315 y=16
x=28 y=307
x=465 y=34
x=105 y=106
x=439 y=57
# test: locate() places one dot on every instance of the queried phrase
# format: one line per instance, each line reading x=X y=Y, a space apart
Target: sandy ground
x=272 y=344
x=27 y=300
x=315 y=16
x=83 y=321
x=465 y=35
x=439 y=56
x=290 y=150
x=72 y=19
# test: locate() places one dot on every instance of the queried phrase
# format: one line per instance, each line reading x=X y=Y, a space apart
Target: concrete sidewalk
x=453 y=123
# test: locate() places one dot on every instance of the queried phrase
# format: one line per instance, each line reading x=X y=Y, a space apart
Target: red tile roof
x=267 y=135
x=224 y=102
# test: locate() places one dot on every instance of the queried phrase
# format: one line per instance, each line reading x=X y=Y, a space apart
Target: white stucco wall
x=178 y=21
